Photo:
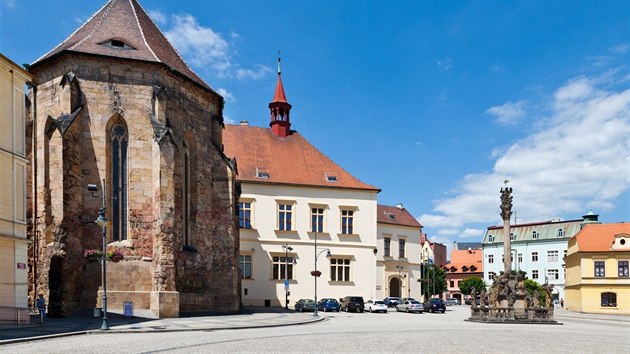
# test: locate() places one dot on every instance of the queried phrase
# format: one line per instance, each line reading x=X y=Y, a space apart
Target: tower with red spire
x=280 y=123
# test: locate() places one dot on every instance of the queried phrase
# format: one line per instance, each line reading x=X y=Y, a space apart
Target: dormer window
x=512 y=237
x=330 y=177
x=391 y=216
x=490 y=238
x=262 y=173
x=118 y=44
x=534 y=235
x=560 y=232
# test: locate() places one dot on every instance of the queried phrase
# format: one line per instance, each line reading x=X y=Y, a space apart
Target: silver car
x=375 y=306
x=410 y=306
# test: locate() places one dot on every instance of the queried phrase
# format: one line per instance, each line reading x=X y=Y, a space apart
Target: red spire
x=280 y=109
x=279 y=96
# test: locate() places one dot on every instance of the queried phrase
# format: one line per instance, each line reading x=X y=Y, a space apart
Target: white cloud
x=469 y=232
x=158 y=17
x=620 y=49
x=576 y=159
x=202 y=47
x=261 y=71
x=445 y=64
x=227 y=96
x=508 y=113
x=228 y=120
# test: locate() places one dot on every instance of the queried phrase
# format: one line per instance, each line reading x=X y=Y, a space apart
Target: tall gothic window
x=186 y=196
x=119 y=181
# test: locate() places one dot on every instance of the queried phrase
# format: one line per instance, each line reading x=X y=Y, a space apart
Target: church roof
x=393 y=215
x=263 y=157
x=122 y=29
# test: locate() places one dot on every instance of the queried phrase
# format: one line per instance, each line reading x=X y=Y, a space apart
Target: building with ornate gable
x=466 y=262
x=116 y=103
x=398 y=257
x=598 y=275
x=293 y=196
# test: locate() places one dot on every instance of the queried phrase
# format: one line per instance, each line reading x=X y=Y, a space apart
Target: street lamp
x=286 y=249
x=317 y=273
x=101 y=221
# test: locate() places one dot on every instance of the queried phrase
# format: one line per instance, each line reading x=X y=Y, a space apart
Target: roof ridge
x=144 y=38
x=73 y=33
x=169 y=43
x=97 y=25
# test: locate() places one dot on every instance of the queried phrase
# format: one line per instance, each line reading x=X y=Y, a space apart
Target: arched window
x=186 y=196
x=609 y=300
x=119 y=142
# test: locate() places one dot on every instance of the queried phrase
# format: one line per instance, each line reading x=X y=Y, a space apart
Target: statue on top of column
x=506 y=202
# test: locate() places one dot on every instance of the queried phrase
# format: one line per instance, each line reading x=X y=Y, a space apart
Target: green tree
x=466 y=285
x=533 y=288
x=433 y=280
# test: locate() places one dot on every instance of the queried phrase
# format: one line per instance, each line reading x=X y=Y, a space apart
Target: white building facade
x=537 y=249
x=399 y=251
x=297 y=207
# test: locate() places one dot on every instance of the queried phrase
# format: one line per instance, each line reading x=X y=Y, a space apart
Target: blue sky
x=435 y=102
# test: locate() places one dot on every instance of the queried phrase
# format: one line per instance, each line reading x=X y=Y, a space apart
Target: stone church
x=115 y=102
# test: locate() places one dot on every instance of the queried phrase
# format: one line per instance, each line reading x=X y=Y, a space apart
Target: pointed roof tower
x=280 y=118
x=122 y=29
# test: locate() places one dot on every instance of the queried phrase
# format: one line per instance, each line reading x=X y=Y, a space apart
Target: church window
x=186 y=196
x=119 y=144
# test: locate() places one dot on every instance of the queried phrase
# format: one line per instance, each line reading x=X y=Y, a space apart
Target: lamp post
x=286 y=249
x=315 y=272
x=101 y=221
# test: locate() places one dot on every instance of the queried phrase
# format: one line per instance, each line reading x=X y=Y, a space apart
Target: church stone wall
x=158 y=273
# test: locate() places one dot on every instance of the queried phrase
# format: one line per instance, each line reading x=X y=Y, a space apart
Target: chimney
x=399 y=206
x=244 y=122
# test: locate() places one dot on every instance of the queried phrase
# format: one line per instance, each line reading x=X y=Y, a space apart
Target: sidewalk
x=562 y=313
x=252 y=317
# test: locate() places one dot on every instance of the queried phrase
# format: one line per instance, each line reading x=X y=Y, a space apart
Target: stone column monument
x=506 y=214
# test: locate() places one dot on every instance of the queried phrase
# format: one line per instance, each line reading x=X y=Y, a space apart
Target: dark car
x=435 y=305
x=352 y=303
x=391 y=301
x=305 y=305
x=328 y=304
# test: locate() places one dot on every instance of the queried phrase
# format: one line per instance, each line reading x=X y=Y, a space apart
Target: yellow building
x=597 y=279
x=13 y=242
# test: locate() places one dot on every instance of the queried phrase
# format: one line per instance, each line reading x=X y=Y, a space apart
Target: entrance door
x=394 y=287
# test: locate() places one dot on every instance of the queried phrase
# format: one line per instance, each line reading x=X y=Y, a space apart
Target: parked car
x=376 y=306
x=435 y=305
x=410 y=306
x=305 y=305
x=391 y=301
x=352 y=303
x=451 y=301
x=328 y=304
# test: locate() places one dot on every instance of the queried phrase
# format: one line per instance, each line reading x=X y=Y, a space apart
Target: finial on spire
x=278 y=62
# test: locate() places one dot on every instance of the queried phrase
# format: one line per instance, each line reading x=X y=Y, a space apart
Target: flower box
x=316 y=273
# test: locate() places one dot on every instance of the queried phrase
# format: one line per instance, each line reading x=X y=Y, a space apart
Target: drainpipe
x=35 y=216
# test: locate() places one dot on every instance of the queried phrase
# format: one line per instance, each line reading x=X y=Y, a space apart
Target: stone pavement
x=82 y=323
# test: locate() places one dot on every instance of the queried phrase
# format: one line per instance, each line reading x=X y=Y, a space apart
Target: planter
x=316 y=273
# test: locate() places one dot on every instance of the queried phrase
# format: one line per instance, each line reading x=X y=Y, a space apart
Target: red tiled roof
x=599 y=237
x=126 y=21
x=394 y=215
x=291 y=160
